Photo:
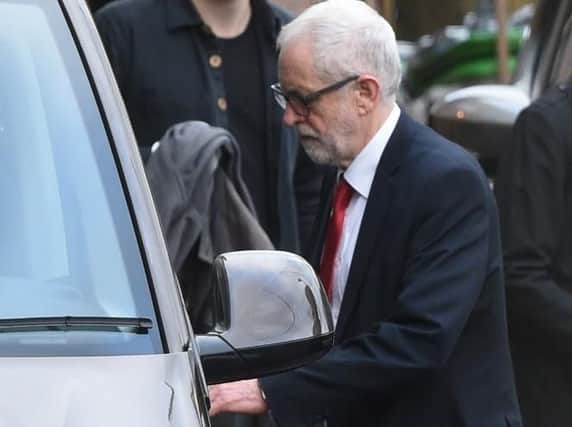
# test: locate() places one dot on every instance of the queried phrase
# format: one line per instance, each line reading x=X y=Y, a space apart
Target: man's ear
x=368 y=93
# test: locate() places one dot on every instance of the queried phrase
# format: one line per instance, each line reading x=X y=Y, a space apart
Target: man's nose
x=291 y=118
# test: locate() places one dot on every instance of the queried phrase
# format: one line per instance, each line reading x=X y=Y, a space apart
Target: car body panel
x=117 y=391
x=493 y=103
x=70 y=385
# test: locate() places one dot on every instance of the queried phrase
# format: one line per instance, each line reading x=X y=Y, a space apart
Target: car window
x=68 y=248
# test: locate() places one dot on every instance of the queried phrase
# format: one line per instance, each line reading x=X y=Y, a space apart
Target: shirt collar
x=361 y=170
x=181 y=13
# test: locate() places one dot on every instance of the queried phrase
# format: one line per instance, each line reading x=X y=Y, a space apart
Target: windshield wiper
x=139 y=325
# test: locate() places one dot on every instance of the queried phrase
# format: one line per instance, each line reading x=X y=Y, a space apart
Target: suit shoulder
x=436 y=167
x=439 y=175
x=433 y=153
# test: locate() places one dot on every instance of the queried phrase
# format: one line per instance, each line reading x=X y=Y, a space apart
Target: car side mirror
x=271 y=315
x=480 y=118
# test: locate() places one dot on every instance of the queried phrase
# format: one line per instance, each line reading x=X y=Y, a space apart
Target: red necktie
x=342 y=198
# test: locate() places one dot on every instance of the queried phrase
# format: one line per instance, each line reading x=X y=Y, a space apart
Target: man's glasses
x=301 y=103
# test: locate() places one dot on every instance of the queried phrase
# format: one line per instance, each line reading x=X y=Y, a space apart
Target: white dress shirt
x=359 y=176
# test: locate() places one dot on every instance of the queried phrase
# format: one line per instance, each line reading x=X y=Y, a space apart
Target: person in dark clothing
x=410 y=254
x=534 y=191
x=213 y=61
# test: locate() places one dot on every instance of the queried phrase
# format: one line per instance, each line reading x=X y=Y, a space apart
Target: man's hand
x=240 y=396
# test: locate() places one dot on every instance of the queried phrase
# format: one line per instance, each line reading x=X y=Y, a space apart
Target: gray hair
x=348 y=37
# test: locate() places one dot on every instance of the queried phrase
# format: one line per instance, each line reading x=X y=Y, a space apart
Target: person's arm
x=532 y=198
x=244 y=397
x=443 y=280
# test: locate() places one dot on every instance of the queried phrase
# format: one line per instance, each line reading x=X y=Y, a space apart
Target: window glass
x=67 y=242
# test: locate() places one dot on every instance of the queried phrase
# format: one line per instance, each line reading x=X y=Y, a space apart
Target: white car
x=93 y=330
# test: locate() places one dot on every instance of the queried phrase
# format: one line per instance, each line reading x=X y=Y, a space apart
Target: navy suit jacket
x=421 y=339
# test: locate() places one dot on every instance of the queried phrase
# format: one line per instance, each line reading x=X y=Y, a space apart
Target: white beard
x=316 y=151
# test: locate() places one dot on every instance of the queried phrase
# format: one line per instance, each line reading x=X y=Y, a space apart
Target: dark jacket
x=534 y=191
x=203 y=206
x=421 y=338
x=160 y=51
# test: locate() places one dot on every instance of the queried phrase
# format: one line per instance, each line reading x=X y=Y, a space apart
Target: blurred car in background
x=457 y=56
x=480 y=118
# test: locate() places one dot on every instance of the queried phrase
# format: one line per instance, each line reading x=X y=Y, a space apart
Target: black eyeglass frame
x=296 y=100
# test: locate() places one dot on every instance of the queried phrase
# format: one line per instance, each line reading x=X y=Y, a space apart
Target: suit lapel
x=371 y=234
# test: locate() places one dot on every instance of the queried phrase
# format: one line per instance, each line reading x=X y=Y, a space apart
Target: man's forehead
x=298 y=44
x=295 y=64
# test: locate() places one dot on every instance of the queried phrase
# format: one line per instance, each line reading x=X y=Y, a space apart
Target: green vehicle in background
x=453 y=61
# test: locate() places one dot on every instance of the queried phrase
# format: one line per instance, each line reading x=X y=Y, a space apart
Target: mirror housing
x=479 y=118
x=271 y=315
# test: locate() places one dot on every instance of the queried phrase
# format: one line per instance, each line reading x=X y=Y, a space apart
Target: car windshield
x=72 y=280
